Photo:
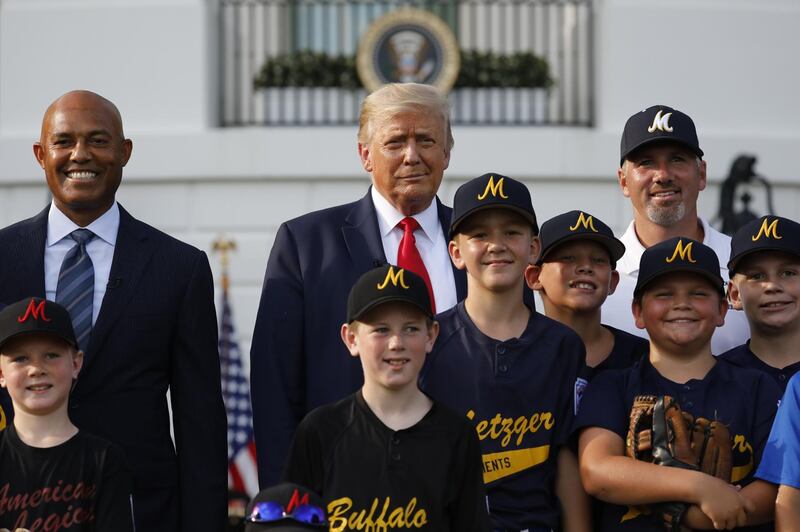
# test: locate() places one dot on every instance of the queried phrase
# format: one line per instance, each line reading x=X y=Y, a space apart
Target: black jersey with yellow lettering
x=743 y=399
x=743 y=356
x=520 y=396
x=425 y=477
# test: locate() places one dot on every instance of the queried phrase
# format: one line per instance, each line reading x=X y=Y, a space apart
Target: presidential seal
x=408 y=45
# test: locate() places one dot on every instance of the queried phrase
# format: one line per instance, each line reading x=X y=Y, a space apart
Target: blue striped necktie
x=75 y=290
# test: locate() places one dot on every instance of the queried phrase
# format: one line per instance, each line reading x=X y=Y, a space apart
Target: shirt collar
x=629 y=263
x=389 y=217
x=105 y=227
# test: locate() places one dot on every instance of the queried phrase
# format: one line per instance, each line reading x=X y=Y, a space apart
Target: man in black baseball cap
x=662 y=172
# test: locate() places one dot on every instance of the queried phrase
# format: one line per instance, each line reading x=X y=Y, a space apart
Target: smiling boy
x=508 y=369
x=388 y=457
x=574 y=274
x=765 y=283
x=679 y=299
x=42 y=452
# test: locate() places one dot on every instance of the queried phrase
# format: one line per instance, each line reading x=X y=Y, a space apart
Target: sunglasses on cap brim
x=270 y=512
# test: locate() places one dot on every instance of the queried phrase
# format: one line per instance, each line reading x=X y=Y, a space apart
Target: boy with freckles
x=574 y=274
x=388 y=457
x=679 y=299
x=508 y=369
x=765 y=283
x=52 y=476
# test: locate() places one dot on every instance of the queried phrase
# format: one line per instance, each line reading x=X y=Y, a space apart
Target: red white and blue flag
x=242 y=468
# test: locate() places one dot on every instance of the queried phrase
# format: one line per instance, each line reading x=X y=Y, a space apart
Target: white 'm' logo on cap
x=660 y=123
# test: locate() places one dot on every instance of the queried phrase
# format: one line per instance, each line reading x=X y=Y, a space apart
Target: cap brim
x=716 y=280
x=388 y=299
x=632 y=149
x=17 y=334
x=737 y=259
x=616 y=249
x=525 y=214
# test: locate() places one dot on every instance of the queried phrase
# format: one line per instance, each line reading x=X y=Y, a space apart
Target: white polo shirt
x=616 y=310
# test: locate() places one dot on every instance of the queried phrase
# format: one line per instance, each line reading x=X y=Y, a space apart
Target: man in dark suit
x=297 y=359
x=145 y=305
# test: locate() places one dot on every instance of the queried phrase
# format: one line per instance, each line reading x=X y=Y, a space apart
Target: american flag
x=242 y=468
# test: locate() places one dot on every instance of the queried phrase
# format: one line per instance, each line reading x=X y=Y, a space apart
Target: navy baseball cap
x=574 y=225
x=773 y=233
x=658 y=123
x=285 y=507
x=678 y=255
x=385 y=284
x=36 y=315
x=492 y=191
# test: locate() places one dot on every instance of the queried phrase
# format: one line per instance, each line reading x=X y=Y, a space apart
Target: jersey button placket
x=394 y=447
x=501 y=360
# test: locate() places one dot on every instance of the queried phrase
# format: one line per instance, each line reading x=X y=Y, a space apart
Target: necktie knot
x=408 y=224
x=81 y=236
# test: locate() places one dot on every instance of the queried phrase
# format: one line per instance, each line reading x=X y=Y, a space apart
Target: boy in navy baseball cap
x=508 y=369
x=765 y=283
x=574 y=274
x=39 y=360
x=679 y=299
x=387 y=456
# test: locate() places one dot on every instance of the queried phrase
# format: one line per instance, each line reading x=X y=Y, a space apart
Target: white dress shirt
x=616 y=310
x=431 y=244
x=100 y=249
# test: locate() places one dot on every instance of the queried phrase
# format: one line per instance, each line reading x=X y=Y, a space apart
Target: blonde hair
x=396 y=98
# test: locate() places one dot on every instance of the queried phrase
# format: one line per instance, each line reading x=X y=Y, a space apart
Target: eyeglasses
x=270 y=511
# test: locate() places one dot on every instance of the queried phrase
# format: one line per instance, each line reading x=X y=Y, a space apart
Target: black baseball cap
x=385 y=284
x=575 y=225
x=492 y=191
x=36 y=315
x=678 y=255
x=658 y=123
x=286 y=507
x=773 y=233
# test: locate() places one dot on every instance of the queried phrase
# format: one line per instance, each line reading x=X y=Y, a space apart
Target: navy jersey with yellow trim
x=520 y=397
x=743 y=399
x=628 y=349
x=425 y=477
x=744 y=357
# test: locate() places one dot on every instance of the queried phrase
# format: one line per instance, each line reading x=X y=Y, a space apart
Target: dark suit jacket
x=157 y=330
x=297 y=360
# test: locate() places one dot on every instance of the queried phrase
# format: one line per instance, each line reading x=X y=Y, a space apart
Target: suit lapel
x=445 y=214
x=362 y=237
x=29 y=271
x=132 y=252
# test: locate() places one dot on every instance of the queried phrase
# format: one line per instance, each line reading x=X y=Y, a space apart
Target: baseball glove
x=661 y=433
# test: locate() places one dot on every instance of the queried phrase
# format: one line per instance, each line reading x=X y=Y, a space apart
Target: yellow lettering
x=587 y=222
x=741 y=446
x=494 y=189
x=767 y=231
x=394 y=278
x=507 y=429
x=660 y=123
x=684 y=252
x=336 y=513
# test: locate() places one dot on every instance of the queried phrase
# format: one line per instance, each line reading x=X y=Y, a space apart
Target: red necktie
x=408 y=256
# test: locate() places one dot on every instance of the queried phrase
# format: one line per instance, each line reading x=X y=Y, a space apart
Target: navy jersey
x=742 y=356
x=628 y=350
x=520 y=395
x=743 y=399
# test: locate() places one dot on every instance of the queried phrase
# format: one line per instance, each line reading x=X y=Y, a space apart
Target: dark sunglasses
x=270 y=511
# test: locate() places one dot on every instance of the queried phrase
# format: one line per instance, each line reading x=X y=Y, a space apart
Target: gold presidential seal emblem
x=408 y=45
